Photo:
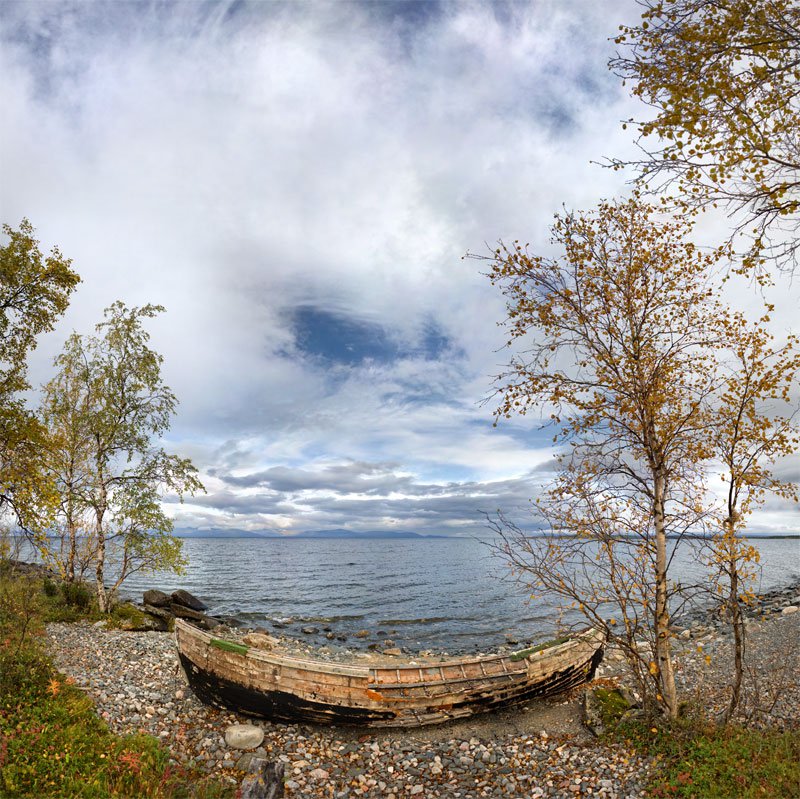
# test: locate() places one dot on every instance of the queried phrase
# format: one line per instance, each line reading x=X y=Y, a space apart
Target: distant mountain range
x=219 y=532
x=338 y=533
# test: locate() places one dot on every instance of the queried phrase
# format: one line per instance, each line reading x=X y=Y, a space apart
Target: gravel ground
x=535 y=751
x=539 y=751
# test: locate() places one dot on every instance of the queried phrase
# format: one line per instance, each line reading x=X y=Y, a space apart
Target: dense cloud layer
x=297 y=183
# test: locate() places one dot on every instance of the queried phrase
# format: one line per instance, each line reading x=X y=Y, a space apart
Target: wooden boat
x=286 y=688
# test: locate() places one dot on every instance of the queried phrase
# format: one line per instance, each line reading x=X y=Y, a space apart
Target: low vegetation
x=692 y=757
x=695 y=759
x=51 y=741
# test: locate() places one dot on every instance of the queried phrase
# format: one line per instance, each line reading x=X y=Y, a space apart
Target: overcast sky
x=296 y=183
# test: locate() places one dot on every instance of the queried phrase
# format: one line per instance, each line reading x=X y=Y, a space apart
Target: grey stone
x=187 y=600
x=243 y=763
x=591 y=714
x=265 y=780
x=261 y=641
x=155 y=597
x=144 y=623
x=184 y=612
x=158 y=610
x=244 y=736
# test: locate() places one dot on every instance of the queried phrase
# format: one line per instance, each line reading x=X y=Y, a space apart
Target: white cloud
x=232 y=161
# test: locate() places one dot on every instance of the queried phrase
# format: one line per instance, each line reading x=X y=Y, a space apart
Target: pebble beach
x=137 y=686
x=539 y=750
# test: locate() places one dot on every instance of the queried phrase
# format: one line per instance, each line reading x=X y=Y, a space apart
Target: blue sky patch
x=337 y=338
x=340 y=339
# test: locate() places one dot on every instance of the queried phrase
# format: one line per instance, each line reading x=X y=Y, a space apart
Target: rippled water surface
x=424 y=593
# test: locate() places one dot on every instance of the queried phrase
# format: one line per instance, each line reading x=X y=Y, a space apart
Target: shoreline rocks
x=164 y=608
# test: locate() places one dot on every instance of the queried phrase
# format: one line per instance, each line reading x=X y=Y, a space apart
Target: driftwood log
x=265 y=781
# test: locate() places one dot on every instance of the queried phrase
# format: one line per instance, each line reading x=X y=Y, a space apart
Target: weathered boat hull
x=283 y=688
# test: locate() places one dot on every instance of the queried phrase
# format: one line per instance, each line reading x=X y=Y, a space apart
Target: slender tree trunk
x=71 y=552
x=737 y=622
x=99 y=572
x=102 y=597
x=666 y=674
x=70 y=513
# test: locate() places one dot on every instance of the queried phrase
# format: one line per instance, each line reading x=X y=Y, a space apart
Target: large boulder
x=130 y=618
x=244 y=736
x=185 y=613
x=156 y=598
x=154 y=610
x=187 y=600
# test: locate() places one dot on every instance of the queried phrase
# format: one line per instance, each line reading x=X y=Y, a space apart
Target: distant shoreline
x=336 y=535
x=373 y=537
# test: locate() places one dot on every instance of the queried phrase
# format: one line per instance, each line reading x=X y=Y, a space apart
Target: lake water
x=445 y=594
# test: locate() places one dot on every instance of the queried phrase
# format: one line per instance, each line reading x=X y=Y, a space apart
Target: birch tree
x=34 y=292
x=117 y=408
x=754 y=425
x=617 y=339
x=67 y=459
x=722 y=80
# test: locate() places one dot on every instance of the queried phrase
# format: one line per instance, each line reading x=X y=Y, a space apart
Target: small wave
x=428 y=620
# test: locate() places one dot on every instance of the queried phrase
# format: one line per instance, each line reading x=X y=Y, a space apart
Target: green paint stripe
x=523 y=653
x=229 y=646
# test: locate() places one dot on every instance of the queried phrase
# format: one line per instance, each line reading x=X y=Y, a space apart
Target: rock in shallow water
x=244 y=736
x=181 y=597
x=156 y=598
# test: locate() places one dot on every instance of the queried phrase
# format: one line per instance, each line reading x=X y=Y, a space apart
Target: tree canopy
x=723 y=80
x=105 y=409
x=34 y=292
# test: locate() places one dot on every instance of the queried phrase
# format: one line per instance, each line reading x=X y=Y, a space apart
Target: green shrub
x=77 y=594
x=24 y=675
x=50 y=588
x=20 y=608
